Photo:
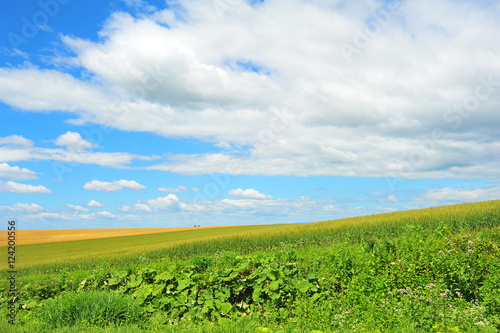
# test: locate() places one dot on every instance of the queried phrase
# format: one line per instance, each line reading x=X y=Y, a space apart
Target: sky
x=136 y=113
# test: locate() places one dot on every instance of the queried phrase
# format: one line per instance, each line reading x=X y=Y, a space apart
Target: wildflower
x=470 y=251
x=393 y=263
x=440 y=251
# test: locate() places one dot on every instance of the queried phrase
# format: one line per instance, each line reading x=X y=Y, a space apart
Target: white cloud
x=392 y=198
x=16 y=141
x=463 y=194
x=93 y=203
x=74 y=142
x=142 y=207
x=15 y=172
x=20 y=207
x=77 y=208
x=107 y=214
x=18 y=148
x=248 y=194
x=136 y=207
x=169 y=201
x=389 y=110
x=125 y=208
x=96 y=185
x=178 y=189
x=330 y=208
x=13 y=187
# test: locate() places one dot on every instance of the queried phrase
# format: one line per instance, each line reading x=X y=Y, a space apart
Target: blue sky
x=132 y=113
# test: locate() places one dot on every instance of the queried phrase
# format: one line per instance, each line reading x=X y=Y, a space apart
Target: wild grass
x=90 y=308
x=428 y=270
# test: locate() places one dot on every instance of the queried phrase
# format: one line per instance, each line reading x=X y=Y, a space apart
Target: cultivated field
x=24 y=237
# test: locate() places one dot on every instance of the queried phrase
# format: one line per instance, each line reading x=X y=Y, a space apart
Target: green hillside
x=427 y=270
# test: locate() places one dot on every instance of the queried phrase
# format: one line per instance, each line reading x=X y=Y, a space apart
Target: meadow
x=427 y=270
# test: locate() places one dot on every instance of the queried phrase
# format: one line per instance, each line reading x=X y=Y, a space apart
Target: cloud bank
x=96 y=185
x=370 y=88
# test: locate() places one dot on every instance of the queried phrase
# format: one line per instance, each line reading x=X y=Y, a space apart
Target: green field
x=427 y=270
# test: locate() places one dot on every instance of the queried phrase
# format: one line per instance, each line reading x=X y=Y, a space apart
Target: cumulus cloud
x=392 y=198
x=20 y=207
x=73 y=141
x=93 y=203
x=168 y=201
x=248 y=194
x=15 y=172
x=18 y=148
x=16 y=141
x=142 y=207
x=416 y=100
x=107 y=214
x=77 y=208
x=178 y=189
x=463 y=194
x=14 y=187
x=96 y=185
x=136 y=207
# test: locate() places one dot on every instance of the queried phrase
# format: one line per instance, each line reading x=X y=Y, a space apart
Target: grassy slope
x=85 y=252
x=371 y=244
x=51 y=257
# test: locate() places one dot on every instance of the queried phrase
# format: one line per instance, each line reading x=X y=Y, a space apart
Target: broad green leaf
x=183 y=284
x=142 y=293
x=274 y=285
x=120 y=274
x=158 y=289
x=225 y=307
x=135 y=281
x=303 y=286
x=256 y=295
x=113 y=281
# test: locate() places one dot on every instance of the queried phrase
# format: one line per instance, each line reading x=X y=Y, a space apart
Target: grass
x=49 y=257
x=90 y=308
x=85 y=255
x=428 y=270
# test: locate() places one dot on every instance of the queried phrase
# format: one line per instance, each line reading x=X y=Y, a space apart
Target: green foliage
x=89 y=308
x=434 y=270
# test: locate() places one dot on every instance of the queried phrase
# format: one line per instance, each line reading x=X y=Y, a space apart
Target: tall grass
x=90 y=308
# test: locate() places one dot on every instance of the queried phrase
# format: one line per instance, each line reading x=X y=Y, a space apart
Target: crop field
x=427 y=270
x=85 y=253
x=63 y=235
